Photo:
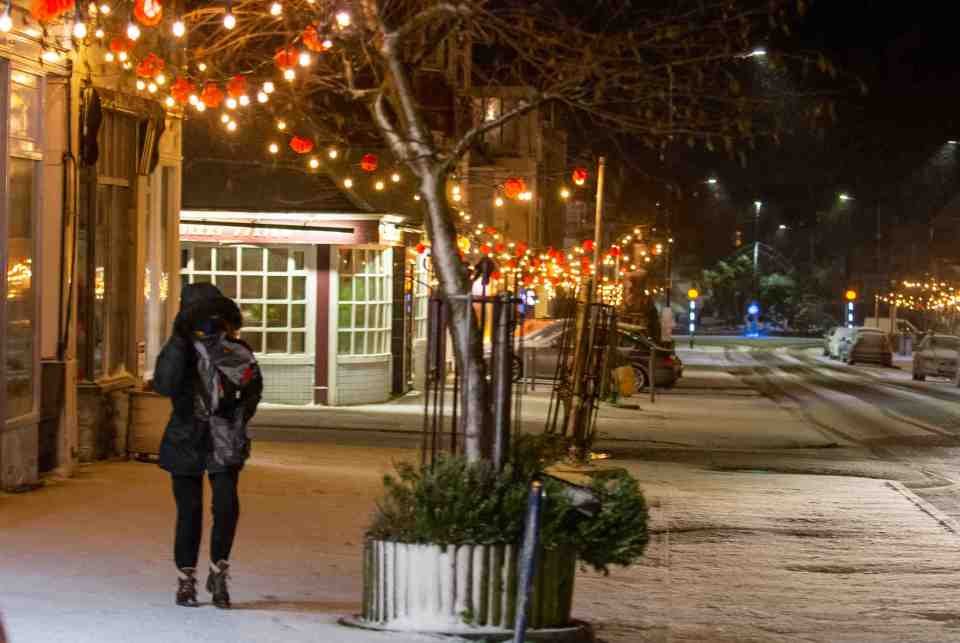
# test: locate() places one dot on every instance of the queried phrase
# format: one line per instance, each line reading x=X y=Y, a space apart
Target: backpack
x=226 y=395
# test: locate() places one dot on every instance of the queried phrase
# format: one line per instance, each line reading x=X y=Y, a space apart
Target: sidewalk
x=736 y=556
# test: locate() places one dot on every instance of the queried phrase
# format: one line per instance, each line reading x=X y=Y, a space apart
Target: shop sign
x=390 y=234
x=250 y=234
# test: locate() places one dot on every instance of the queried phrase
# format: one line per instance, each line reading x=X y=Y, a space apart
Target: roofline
x=245 y=215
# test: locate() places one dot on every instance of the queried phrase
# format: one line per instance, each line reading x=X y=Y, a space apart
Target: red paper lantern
x=513 y=187
x=499 y=248
x=512 y=263
x=421 y=248
x=301 y=145
x=118 y=44
x=588 y=245
x=580 y=176
x=527 y=280
x=211 y=95
x=561 y=258
x=495 y=274
x=182 y=89
x=551 y=252
x=150 y=66
x=615 y=251
x=490 y=230
x=521 y=248
x=369 y=163
x=237 y=86
x=485 y=249
x=312 y=40
x=47 y=10
x=535 y=262
x=285 y=58
x=148 y=12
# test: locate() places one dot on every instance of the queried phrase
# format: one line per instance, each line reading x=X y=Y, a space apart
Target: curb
x=578 y=632
x=945 y=521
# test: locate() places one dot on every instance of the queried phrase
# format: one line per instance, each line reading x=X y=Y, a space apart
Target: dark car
x=869 y=345
x=543 y=351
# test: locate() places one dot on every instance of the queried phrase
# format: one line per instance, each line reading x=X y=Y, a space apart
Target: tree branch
x=443 y=9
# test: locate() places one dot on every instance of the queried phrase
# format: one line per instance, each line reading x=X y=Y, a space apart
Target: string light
x=109 y=57
x=274 y=148
x=193 y=99
x=343 y=19
x=232 y=126
x=79 y=30
x=244 y=100
x=99 y=34
x=152 y=88
x=170 y=102
x=379 y=185
x=123 y=56
x=179 y=29
x=202 y=66
x=276 y=9
x=231 y=103
x=564 y=193
x=416 y=197
x=348 y=183
x=141 y=85
x=314 y=163
x=161 y=79
x=229 y=20
x=200 y=106
x=498 y=202
x=105 y=9
x=333 y=153
x=6 y=22
x=262 y=97
x=289 y=74
x=395 y=177
x=304 y=59
x=224 y=119
x=268 y=87
x=133 y=31
x=281 y=125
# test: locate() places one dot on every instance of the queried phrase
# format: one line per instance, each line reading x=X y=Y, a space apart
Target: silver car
x=936 y=356
x=834 y=340
x=865 y=344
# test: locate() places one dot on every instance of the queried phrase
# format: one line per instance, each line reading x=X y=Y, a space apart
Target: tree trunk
x=475 y=413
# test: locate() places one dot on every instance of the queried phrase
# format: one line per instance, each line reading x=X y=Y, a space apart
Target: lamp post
x=692 y=294
x=851 y=297
x=756 y=248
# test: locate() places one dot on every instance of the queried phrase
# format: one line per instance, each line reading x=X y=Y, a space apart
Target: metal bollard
x=528 y=559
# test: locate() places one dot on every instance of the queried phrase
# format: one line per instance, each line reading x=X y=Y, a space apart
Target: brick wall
x=362 y=382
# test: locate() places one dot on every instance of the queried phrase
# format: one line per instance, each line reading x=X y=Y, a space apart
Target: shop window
x=161 y=214
x=20 y=334
x=365 y=295
x=270 y=286
x=421 y=295
x=106 y=252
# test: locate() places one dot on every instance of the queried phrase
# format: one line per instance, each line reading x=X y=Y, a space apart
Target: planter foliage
x=456 y=502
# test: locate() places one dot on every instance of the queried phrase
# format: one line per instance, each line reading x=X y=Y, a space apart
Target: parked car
x=544 y=349
x=936 y=356
x=833 y=340
x=870 y=345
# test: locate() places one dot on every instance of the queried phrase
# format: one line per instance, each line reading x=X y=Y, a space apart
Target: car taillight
x=669 y=360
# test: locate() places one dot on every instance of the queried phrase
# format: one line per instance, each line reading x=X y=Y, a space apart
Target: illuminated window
x=365 y=296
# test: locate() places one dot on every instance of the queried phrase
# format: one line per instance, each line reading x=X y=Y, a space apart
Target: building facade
x=88 y=225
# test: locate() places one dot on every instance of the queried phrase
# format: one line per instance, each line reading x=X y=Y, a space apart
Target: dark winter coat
x=187 y=448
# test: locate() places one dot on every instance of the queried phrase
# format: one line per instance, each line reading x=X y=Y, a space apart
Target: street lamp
x=845 y=197
x=712 y=180
x=782 y=226
x=756 y=245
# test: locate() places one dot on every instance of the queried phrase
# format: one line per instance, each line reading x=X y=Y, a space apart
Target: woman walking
x=215 y=385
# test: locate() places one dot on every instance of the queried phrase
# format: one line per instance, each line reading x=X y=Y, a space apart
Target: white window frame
x=421 y=295
x=190 y=275
x=385 y=327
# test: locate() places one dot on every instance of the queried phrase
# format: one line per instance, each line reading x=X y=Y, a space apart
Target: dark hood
x=202 y=304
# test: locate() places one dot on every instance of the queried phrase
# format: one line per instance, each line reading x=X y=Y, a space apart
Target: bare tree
x=668 y=72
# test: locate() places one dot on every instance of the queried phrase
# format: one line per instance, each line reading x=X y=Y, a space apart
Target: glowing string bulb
x=200 y=106
x=224 y=119
x=141 y=85
x=314 y=163
x=6 y=22
x=333 y=153
x=99 y=34
x=498 y=202
x=348 y=183
x=262 y=97
x=105 y=9
x=179 y=29
x=231 y=103
x=281 y=125
x=232 y=126
x=304 y=59
x=274 y=148
x=202 y=66
x=244 y=100
x=395 y=177
x=193 y=99
x=133 y=31
x=343 y=19
x=122 y=56
x=268 y=87
x=416 y=197
x=109 y=57
x=170 y=102
x=152 y=88
x=229 y=20
x=276 y=9
x=80 y=30
x=379 y=185
x=161 y=79
x=289 y=74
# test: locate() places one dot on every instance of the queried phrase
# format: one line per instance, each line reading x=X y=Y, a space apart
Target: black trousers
x=188 y=493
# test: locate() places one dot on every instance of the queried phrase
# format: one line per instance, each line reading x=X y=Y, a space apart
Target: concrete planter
x=461 y=588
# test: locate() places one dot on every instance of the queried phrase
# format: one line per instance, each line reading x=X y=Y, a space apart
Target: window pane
x=346 y=262
x=202 y=258
x=277 y=315
x=252 y=259
x=21 y=296
x=276 y=287
x=299 y=259
x=346 y=292
x=361 y=316
x=227 y=285
x=277 y=260
x=121 y=285
x=251 y=287
x=361 y=288
x=184 y=258
x=344 y=319
x=343 y=343
x=299 y=289
x=276 y=342
x=254 y=339
x=371 y=343
x=298 y=315
x=298 y=342
x=227 y=259
x=252 y=314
